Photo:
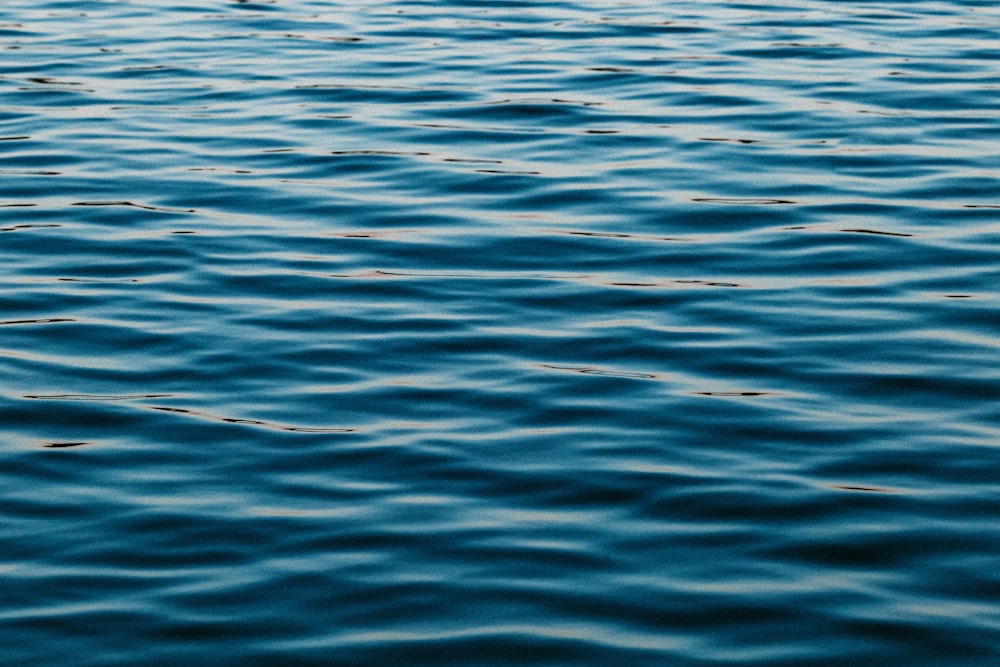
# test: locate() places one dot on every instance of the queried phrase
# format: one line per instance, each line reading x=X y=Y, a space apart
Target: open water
x=556 y=332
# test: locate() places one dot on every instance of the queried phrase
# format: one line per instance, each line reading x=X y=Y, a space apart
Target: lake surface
x=482 y=333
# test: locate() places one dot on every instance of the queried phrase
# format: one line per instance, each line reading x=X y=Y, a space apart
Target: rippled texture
x=473 y=333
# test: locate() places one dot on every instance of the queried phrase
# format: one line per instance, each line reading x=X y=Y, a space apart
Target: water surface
x=473 y=333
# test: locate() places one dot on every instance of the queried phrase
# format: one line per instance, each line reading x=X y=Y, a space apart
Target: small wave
x=251 y=422
x=144 y=207
x=863 y=488
x=615 y=235
x=94 y=397
x=743 y=201
x=49 y=320
x=876 y=232
x=18 y=228
x=734 y=394
x=509 y=172
x=591 y=370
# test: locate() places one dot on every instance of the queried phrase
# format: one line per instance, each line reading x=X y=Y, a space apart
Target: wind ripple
x=500 y=333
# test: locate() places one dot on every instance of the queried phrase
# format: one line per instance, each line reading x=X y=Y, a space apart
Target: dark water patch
x=864 y=489
x=95 y=397
x=742 y=201
x=877 y=232
x=376 y=94
x=256 y=6
x=733 y=141
x=49 y=81
x=603 y=372
x=16 y=228
x=250 y=422
x=98 y=280
x=51 y=320
x=507 y=172
x=616 y=235
x=144 y=207
x=734 y=394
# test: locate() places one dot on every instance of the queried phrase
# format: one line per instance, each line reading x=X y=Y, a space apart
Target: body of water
x=500 y=333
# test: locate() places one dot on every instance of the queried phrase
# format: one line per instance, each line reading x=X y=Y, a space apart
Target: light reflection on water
x=464 y=334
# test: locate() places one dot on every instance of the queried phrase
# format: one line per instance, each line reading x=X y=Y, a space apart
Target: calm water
x=480 y=333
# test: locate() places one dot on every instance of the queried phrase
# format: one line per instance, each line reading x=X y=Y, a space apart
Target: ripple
x=603 y=372
x=877 y=232
x=464 y=332
x=144 y=207
x=250 y=422
x=49 y=320
x=735 y=394
x=16 y=228
x=96 y=397
x=749 y=201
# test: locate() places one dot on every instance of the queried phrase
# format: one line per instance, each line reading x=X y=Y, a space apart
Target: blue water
x=500 y=333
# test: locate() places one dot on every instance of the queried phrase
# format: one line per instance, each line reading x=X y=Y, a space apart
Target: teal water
x=471 y=333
